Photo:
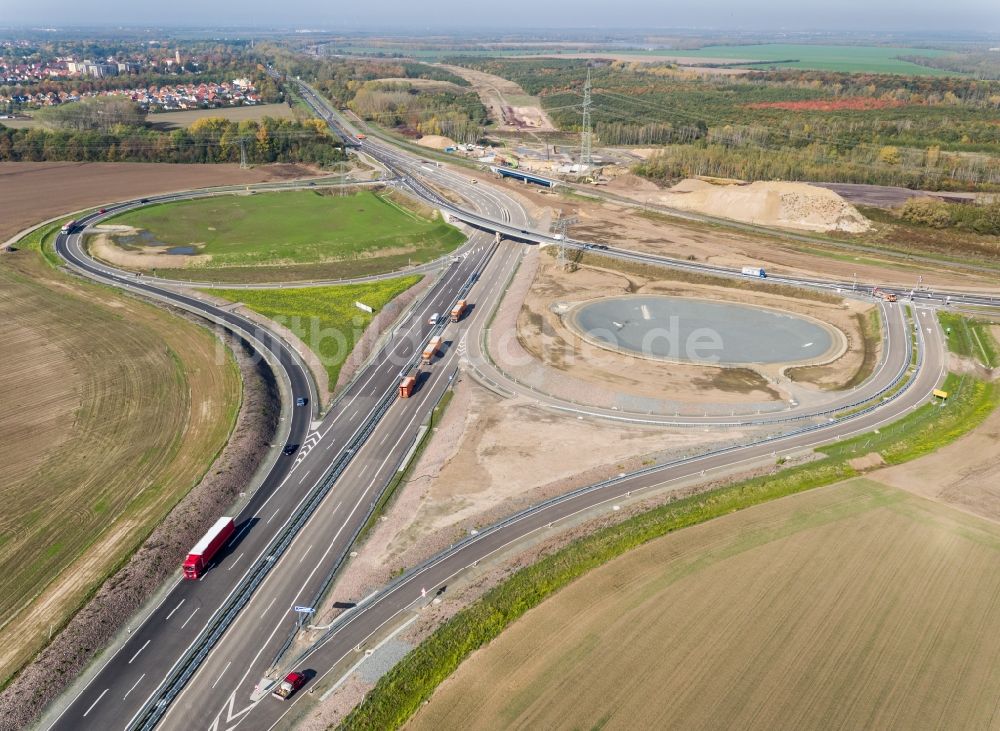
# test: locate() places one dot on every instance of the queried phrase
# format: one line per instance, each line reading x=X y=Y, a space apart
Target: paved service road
x=326 y=490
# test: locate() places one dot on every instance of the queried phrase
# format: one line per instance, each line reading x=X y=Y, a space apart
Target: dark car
x=144 y=200
x=300 y=401
x=290 y=448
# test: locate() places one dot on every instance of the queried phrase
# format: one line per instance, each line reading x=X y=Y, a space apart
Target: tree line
x=208 y=140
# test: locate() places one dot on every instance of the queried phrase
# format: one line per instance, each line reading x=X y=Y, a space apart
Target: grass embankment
x=969 y=338
x=324 y=318
x=112 y=411
x=949 y=243
x=289 y=235
x=401 y=691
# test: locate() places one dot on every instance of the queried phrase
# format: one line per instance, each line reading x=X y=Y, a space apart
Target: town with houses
x=167 y=97
x=21 y=83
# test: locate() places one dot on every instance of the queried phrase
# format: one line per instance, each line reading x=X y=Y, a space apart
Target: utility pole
x=585 y=142
x=560 y=227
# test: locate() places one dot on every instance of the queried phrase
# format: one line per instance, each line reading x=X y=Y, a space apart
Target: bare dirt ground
x=554 y=359
x=102 y=247
x=436 y=142
x=490 y=457
x=964 y=475
x=506 y=102
x=623 y=226
x=757 y=611
x=35 y=191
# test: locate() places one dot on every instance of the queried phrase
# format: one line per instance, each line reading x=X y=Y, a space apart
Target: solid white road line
x=174 y=610
x=133 y=687
x=96 y=702
x=138 y=651
x=222 y=673
x=190 y=618
x=271 y=604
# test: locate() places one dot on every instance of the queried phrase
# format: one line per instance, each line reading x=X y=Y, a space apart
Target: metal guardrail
x=154 y=709
x=338 y=564
x=182 y=671
x=527 y=512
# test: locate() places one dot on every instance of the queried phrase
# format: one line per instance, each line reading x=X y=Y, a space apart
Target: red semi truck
x=210 y=543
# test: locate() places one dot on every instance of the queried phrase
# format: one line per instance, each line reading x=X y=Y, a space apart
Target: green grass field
x=324 y=318
x=305 y=232
x=970 y=338
x=856 y=59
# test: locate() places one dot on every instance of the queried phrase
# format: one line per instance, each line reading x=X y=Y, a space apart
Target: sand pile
x=791 y=205
x=438 y=142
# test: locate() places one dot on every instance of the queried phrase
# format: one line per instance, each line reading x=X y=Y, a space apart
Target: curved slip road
x=364 y=437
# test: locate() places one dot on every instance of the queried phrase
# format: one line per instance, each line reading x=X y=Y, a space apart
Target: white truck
x=754 y=272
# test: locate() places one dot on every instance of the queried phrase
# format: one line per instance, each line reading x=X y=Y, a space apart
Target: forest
x=793 y=124
x=376 y=91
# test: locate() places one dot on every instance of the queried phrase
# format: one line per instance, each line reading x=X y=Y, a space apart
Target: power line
x=586 y=157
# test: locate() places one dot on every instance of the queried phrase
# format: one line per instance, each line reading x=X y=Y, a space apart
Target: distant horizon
x=972 y=17
x=494 y=33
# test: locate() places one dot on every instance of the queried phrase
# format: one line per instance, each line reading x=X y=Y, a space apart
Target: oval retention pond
x=701 y=331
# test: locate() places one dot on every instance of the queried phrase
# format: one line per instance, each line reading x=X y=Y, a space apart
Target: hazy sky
x=420 y=15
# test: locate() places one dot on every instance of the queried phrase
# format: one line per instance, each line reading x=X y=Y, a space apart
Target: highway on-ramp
x=343 y=462
x=134 y=673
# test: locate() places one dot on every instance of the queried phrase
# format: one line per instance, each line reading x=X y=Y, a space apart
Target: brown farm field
x=177 y=120
x=852 y=606
x=31 y=192
x=113 y=410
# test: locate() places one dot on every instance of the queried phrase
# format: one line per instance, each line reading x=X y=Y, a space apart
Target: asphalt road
x=420 y=585
x=128 y=678
x=219 y=690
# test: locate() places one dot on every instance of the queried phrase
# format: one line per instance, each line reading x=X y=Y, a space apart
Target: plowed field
x=853 y=606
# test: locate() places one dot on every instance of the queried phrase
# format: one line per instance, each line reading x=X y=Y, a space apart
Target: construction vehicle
x=458 y=311
x=199 y=557
x=431 y=350
x=408 y=385
x=883 y=295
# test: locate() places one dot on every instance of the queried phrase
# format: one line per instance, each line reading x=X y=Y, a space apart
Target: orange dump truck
x=407 y=386
x=431 y=350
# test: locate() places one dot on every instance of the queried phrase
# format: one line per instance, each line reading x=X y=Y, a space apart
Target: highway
x=129 y=678
x=312 y=504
